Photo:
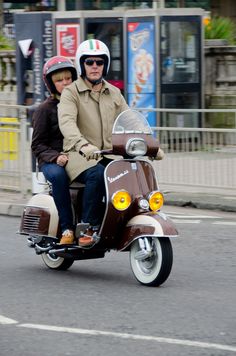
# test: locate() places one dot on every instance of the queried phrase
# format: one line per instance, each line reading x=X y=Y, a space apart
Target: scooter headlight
x=156 y=200
x=136 y=147
x=121 y=200
x=143 y=204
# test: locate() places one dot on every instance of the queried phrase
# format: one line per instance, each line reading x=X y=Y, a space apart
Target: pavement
x=12 y=203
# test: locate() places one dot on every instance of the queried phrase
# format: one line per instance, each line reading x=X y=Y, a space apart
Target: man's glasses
x=90 y=62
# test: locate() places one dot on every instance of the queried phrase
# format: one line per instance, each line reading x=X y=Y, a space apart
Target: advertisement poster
x=141 y=66
x=34 y=38
x=67 y=39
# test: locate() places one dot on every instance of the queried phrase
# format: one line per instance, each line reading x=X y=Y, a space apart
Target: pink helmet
x=53 y=65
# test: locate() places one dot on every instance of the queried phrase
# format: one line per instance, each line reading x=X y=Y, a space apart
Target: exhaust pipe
x=39 y=250
x=30 y=243
x=64 y=249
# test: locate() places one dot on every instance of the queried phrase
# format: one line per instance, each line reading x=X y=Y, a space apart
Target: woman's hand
x=62 y=160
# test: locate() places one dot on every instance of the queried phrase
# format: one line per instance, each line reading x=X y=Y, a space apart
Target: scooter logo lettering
x=111 y=180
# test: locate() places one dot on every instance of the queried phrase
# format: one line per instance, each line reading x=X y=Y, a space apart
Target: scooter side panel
x=35 y=221
x=40 y=216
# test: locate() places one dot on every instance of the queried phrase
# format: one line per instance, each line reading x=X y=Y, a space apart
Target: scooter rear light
x=156 y=200
x=121 y=200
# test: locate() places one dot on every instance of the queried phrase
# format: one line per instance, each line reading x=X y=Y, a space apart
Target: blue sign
x=141 y=86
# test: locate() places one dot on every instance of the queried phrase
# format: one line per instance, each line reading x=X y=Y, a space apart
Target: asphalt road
x=98 y=308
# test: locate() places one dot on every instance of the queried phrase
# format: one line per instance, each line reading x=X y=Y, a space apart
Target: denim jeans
x=57 y=176
x=94 y=191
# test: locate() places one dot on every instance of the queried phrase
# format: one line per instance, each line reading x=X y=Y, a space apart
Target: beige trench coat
x=87 y=117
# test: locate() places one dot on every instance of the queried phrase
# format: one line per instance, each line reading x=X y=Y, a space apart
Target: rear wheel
x=154 y=268
x=57 y=263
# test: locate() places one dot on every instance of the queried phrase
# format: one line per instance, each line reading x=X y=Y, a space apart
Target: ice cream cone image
x=138 y=88
x=143 y=65
x=135 y=100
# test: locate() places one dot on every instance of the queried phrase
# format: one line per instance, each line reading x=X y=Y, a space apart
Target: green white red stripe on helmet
x=94 y=44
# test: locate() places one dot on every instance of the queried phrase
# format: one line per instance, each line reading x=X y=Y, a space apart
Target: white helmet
x=92 y=48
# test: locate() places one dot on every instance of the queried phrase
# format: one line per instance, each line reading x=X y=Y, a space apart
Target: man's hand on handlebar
x=159 y=156
x=90 y=152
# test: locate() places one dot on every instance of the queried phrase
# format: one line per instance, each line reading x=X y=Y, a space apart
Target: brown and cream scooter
x=132 y=220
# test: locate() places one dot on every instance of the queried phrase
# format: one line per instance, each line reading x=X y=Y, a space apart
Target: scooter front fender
x=148 y=224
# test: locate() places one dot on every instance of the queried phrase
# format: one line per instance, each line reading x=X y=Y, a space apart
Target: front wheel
x=57 y=263
x=152 y=268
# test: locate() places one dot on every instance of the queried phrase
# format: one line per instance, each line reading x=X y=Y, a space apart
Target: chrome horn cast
x=145 y=249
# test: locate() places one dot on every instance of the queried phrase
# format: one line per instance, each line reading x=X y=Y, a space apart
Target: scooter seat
x=76 y=185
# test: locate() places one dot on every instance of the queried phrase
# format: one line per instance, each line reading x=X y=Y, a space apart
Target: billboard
x=68 y=39
x=141 y=64
x=34 y=38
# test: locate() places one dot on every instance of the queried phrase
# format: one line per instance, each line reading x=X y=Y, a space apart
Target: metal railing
x=15 y=152
x=194 y=157
x=198 y=157
x=7 y=70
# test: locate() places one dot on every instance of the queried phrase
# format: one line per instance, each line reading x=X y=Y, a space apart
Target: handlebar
x=104 y=152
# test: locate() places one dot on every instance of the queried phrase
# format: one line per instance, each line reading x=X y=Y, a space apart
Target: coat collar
x=82 y=86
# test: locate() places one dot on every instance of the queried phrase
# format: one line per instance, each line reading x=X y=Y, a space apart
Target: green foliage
x=5 y=44
x=221 y=28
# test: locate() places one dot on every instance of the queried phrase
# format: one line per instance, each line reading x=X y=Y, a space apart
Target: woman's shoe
x=67 y=238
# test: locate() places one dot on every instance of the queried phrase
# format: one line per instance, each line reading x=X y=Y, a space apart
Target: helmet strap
x=94 y=82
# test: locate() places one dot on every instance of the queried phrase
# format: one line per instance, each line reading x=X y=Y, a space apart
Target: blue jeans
x=94 y=191
x=57 y=176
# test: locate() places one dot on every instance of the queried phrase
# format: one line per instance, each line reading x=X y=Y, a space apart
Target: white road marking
x=193 y=216
x=182 y=221
x=196 y=219
x=233 y=223
x=5 y=321
x=198 y=344
x=183 y=342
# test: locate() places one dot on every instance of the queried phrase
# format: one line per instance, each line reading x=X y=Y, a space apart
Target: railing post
x=23 y=140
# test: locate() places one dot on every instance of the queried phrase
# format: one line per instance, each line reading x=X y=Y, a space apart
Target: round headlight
x=121 y=200
x=136 y=147
x=156 y=200
x=143 y=204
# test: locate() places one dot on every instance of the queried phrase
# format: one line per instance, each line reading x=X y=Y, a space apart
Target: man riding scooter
x=86 y=112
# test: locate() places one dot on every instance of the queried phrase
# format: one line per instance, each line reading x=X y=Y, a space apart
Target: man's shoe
x=67 y=238
x=87 y=239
